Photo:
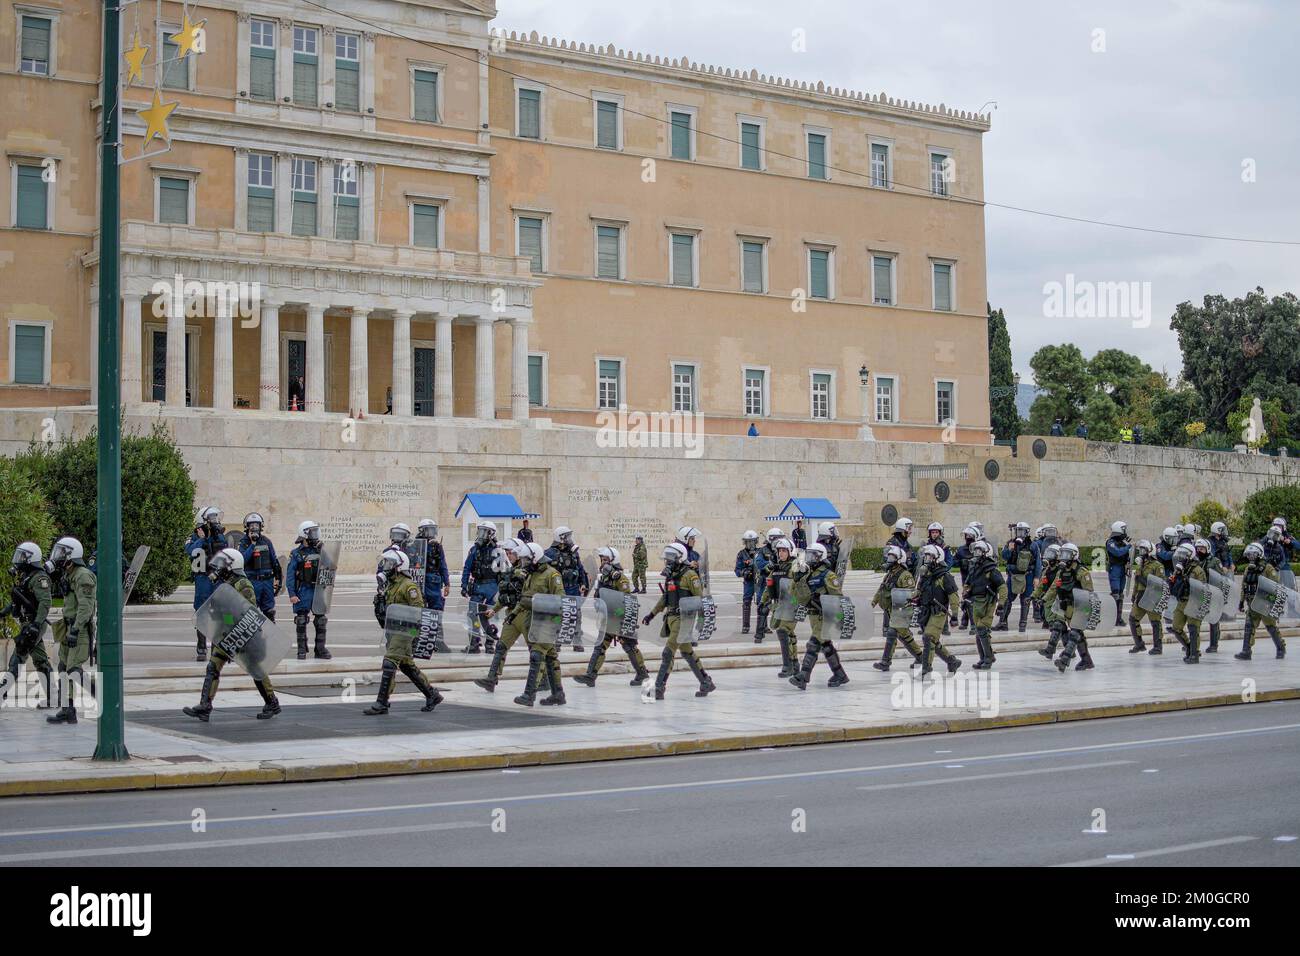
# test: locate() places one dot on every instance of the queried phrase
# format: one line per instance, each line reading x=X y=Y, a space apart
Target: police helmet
x=65 y=550
x=826 y=529
x=427 y=528
x=27 y=553
x=1022 y=527
x=399 y=533
x=686 y=533
x=253 y=518
x=1279 y=523
x=934 y=526
x=1143 y=548
x=1274 y=534
x=815 y=553
x=1052 y=552
x=674 y=553
x=1169 y=535
x=226 y=561
x=537 y=554
x=309 y=531
x=394 y=560
x=486 y=531
x=894 y=555
x=1219 y=528
x=931 y=554
x=500 y=559
x=608 y=554
x=750 y=539
x=773 y=534
x=1201 y=545
x=1049 y=531
x=212 y=514
x=1254 y=552
x=1118 y=528
x=783 y=544
x=903 y=526
x=981 y=546
x=1184 y=552
x=1069 y=552
x=564 y=534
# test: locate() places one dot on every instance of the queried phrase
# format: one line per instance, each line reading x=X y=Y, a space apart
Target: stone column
x=359 y=363
x=176 y=383
x=315 y=384
x=269 y=388
x=519 y=369
x=864 y=430
x=442 y=391
x=484 y=368
x=403 y=396
x=223 y=369
x=131 y=393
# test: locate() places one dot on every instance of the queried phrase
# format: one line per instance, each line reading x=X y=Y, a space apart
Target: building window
x=683 y=134
x=942 y=286
x=751 y=145
x=528 y=241
x=424 y=95
x=753 y=266
x=609 y=252
x=174 y=200
x=36 y=45
x=347 y=72
x=945 y=402
x=940 y=173
x=683 y=388
x=261 y=63
x=755 y=380
x=821 y=395
x=819 y=274
x=176 y=71
x=609 y=372
x=426 y=222
x=28 y=353
x=261 y=192
x=536 y=380
x=882 y=173
x=609 y=123
x=683 y=256
x=32 y=209
x=817 y=156
x=305 y=66
x=304 y=197
x=528 y=113
x=347 y=201
x=882 y=280
x=884 y=398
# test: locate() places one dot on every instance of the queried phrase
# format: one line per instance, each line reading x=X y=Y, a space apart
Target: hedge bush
x=23 y=517
x=1259 y=510
x=157 y=501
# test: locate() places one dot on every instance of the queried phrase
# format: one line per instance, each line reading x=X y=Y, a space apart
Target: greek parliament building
x=432 y=217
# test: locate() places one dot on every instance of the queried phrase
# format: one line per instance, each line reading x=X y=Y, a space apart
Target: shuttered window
x=882 y=280
x=29 y=354
x=35 y=54
x=530 y=241
x=607 y=383
x=304 y=197
x=606 y=124
x=424 y=225
x=530 y=114
x=816 y=156
x=305 y=66
x=942 y=286
x=534 y=380
x=750 y=146
x=608 y=260
x=261 y=64
x=33 y=199
x=819 y=273
x=347 y=205
x=173 y=200
x=683 y=259
x=681 y=123
x=751 y=256
x=426 y=96
x=261 y=192
x=347 y=72
x=176 y=72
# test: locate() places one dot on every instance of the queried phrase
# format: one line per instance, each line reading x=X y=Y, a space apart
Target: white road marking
x=1182 y=848
x=940 y=781
x=1284 y=839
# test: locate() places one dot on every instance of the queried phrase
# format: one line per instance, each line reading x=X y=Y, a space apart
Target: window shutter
x=683 y=260
x=304 y=214
x=753 y=256
x=426 y=96
x=530 y=241
x=29 y=354
x=426 y=226
x=304 y=79
x=749 y=157
x=818 y=267
x=681 y=135
x=36 y=39
x=883 y=293
x=534 y=380
x=176 y=73
x=347 y=85
x=261 y=210
x=816 y=156
x=262 y=74
x=530 y=114
x=942 y=287
x=347 y=218
x=32 y=199
x=606 y=125
x=173 y=200
x=607 y=264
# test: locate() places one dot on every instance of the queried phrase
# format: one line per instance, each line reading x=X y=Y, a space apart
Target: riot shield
x=326 y=571
x=1231 y=602
x=696 y=622
x=557 y=619
x=1223 y=584
x=901 y=611
x=1272 y=598
x=1201 y=601
x=413 y=631
x=621 y=612
x=783 y=607
x=133 y=572
x=839 y=618
x=1293 y=597
x=473 y=621
x=235 y=626
x=703 y=543
x=842 y=562
x=417 y=551
x=1155 y=599
x=1092 y=610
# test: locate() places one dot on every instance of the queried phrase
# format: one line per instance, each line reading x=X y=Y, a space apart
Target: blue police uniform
x=747 y=569
x=1165 y=555
x=209 y=546
x=436 y=575
x=262 y=568
x=1220 y=548
x=478 y=581
x=300 y=582
x=1117 y=558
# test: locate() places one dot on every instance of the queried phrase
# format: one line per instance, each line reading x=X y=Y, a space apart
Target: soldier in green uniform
x=400 y=589
x=1185 y=627
x=781 y=568
x=640 y=562
x=509 y=590
x=1145 y=564
x=612 y=576
x=1054 y=623
x=1256 y=568
x=986 y=590
x=896 y=576
x=227 y=567
x=542 y=579
x=937 y=595
x=75 y=632
x=817 y=579
x=680 y=580
x=1070 y=574
x=1209 y=562
x=29 y=602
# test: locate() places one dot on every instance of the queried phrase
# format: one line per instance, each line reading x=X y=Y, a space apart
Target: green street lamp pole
x=112 y=728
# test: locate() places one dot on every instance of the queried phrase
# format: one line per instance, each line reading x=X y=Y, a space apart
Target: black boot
x=321 y=652
x=204 y=710
x=838 y=676
x=801 y=676
x=1247 y=639
x=787 y=658
x=416 y=676
x=593 y=667
x=1054 y=636
x=665 y=668
x=489 y=683
x=744 y=617
x=638 y=661
x=1278 y=642
x=1214 y=640
x=270 y=703
x=1119 y=607
x=490 y=634
x=1085 y=658
x=1193 y=655
x=300 y=629
x=1157 y=637
x=706 y=682
x=927 y=654
x=1067 y=654
x=1135 y=628
x=1005 y=613
x=387 y=677
x=557 y=686
x=201 y=648
x=887 y=655
x=984 y=644
x=1024 y=616
x=535 y=664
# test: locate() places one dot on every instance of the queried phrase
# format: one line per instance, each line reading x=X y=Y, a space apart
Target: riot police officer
x=1275 y=543
x=1186 y=570
x=828 y=536
x=765 y=556
x=613 y=578
x=817 y=578
x=542 y=579
x=74 y=633
x=565 y=558
x=1054 y=623
x=1119 y=550
x=435 y=585
x=29 y=601
x=301 y=579
x=746 y=568
x=896 y=577
x=1019 y=558
x=208 y=538
x=782 y=569
x=1256 y=568
x=937 y=596
x=984 y=587
x=899 y=539
x=395 y=565
x=1165 y=549
x=261 y=565
x=478 y=581
x=961 y=559
x=1145 y=565
x=1070 y=575
x=1220 y=546
x=680 y=580
x=1205 y=556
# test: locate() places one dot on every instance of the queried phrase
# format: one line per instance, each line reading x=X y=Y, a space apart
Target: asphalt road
x=1206 y=787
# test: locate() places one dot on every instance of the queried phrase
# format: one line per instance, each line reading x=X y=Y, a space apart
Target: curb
x=95 y=780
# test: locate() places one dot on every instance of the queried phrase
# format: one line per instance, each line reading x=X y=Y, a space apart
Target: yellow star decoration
x=135 y=59
x=156 y=116
x=188 y=36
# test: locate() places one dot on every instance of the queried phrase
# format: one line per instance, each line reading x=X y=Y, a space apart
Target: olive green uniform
x=1211 y=563
x=1185 y=627
x=776 y=572
x=397 y=652
x=30 y=601
x=807 y=591
x=896 y=576
x=1148 y=566
x=613 y=578
x=541 y=580
x=75 y=635
x=517 y=618
x=986 y=589
x=680 y=580
x=640 y=561
x=1249 y=587
x=219 y=658
x=937 y=595
x=1069 y=577
x=1054 y=623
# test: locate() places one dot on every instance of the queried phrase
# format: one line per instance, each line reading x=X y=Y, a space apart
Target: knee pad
x=536 y=655
x=666 y=656
x=213 y=670
x=300 y=620
x=812 y=647
x=321 y=620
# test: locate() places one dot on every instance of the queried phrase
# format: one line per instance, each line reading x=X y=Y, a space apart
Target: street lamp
x=864 y=431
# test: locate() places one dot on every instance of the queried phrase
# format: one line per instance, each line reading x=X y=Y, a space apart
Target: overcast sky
x=1152 y=132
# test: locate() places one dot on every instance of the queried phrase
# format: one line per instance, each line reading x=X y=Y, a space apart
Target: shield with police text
x=1201 y=598
x=839 y=618
x=702 y=549
x=234 y=625
x=621 y=611
x=1091 y=610
x=1293 y=596
x=417 y=551
x=1155 y=598
x=696 y=624
x=901 y=610
x=413 y=632
x=133 y=572
x=326 y=571
x=557 y=619
x=1271 y=598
